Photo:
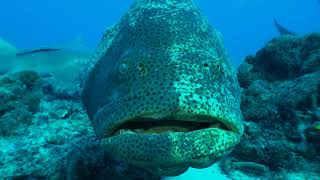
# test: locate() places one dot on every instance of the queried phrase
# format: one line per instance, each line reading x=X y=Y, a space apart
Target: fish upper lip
x=141 y=124
x=109 y=129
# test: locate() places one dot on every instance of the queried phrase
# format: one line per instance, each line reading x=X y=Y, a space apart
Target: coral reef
x=51 y=138
x=280 y=104
x=20 y=95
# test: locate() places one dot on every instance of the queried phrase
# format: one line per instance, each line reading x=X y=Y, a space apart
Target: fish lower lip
x=198 y=149
x=165 y=126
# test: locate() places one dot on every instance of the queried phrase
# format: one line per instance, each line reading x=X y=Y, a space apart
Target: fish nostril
x=142 y=69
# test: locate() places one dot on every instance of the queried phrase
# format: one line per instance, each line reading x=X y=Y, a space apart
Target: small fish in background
x=64 y=63
x=41 y=50
x=281 y=29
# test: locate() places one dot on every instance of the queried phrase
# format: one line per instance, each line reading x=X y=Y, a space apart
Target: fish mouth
x=169 y=145
x=151 y=126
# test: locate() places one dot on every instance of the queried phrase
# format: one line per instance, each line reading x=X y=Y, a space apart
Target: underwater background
x=246 y=25
x=46 y=134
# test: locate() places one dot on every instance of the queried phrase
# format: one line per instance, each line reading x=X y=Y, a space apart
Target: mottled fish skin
x=163 y=62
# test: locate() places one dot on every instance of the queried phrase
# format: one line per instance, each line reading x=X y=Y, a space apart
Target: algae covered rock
x=54 y=89
x=280 y=104
x=284 y=58
x=20 y=95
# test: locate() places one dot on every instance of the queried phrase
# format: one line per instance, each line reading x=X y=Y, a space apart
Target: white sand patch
x=210 y=173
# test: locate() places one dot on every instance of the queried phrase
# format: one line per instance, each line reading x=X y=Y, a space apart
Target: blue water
x=246 y=24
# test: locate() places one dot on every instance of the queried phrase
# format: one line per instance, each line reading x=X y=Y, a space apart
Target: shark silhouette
x=281 y=29
x=64 y=63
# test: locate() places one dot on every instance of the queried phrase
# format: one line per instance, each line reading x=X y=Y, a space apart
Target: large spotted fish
x=160 y=91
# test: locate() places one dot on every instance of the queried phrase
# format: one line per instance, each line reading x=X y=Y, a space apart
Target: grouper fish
x=160 y=91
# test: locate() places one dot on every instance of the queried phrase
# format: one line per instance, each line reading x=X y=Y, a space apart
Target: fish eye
x=124 y=67
x=142 y=69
